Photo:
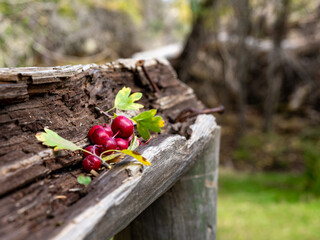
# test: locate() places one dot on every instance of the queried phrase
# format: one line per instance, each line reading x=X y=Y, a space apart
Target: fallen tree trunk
x=40 y=196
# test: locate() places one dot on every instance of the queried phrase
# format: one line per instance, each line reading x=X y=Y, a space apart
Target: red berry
x=91 y=163
x=93 y=149
x=108 y=144
x=91 y=131
x=99 y=136
x=122 y=125
x=108 y=129
x=121 y=143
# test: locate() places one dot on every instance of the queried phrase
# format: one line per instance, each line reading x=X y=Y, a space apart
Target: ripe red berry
x=99 y=136
x=108 y=129
x=93 y=149
x=122 y=125
x=91 y=131
x=108 y=144
x=91 y=163
x=121 y=143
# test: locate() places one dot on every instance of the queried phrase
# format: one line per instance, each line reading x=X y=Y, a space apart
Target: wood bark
x=188 y=209
x=39 y=195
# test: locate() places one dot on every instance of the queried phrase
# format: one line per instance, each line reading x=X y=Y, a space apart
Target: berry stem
x=114 y=136
x=105 y=164
x=111 y=150
x=86 y=151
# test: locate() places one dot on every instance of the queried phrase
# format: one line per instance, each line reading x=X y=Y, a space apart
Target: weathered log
x=39 y=195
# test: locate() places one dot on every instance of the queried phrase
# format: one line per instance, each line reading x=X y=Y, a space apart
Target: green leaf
x=137 y=156
x=134 y=143
x=85 y=180
x=147 y=121
x=125 y=101
x=52 y=139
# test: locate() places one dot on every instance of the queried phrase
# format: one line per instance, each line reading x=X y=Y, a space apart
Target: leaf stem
x=110 y=109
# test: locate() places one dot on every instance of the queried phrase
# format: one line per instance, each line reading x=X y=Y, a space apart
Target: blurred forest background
x=258 y=58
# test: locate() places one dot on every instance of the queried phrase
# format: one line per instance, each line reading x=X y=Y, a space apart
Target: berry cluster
x=105 y=138
x=111 y=142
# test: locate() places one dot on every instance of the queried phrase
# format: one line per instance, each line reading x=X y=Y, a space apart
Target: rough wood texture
x=188 y=209
x=39 y=195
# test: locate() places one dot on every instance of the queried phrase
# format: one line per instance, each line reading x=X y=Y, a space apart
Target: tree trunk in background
x=274 y=72
x=243 y=15
x=195 y=40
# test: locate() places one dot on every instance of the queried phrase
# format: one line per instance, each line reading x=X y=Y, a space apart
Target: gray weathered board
x=39 y=194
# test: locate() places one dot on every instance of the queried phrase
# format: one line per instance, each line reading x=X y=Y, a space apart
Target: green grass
x=265 y=206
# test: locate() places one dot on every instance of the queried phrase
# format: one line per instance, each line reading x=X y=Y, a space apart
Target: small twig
x=94 y=173
x=60 y=197
x=74 y=190
x=140 y=63
x=102 y=112
x=191 y=112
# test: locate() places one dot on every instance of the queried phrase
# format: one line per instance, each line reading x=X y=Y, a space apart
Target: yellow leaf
x=137 y=156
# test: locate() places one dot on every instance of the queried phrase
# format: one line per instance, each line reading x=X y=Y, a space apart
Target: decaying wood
x=39 y=195
x=67 y=106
